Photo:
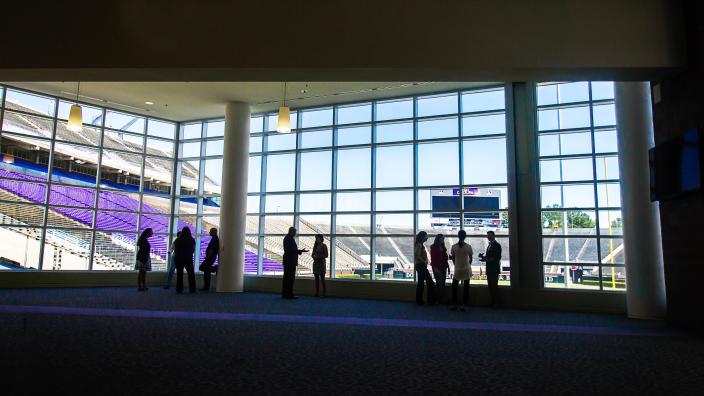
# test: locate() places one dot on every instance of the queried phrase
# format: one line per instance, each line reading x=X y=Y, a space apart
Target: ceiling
x=180 y=101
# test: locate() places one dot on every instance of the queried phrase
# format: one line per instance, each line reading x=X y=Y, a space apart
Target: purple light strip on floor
x=338 y=320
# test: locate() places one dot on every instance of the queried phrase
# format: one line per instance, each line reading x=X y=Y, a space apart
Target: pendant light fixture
x=284 y=124
x=75 y=117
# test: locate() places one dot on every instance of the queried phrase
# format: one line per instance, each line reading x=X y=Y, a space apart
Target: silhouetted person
x=291 y=253
x=438 y=261
x=420 y=260
x=461 y=254
x=211 y=254
x=319 y=254
x=144 y=261
x=171 y=266
x=492 y=258
x=184 y=247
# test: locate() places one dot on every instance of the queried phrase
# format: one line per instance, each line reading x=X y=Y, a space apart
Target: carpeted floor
x=119 y=341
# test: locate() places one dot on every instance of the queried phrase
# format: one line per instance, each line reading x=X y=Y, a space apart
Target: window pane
x=121 y=221
x=602 y=90
x=283 y=141
x=437 y=105
x=609 y=195
x=574 y=117
x=605 y=141
x=22 y=245
x=159 y=128
x=254 y=174
x=123 y=141
x=438 y=164
x=569 y=222
x=354 y=168
x=280 y=172
x=191 y=149
x=215 y=128
x=352 y=223
x=610 y=222
x=569 y=250
x=192 y=131
x=604 y=115
x=312 y=225
x=253 y=204
x=445 y=223
x=484 y=161
x=573 y=196
x=315 y=118
x=394 y=223
x=573 y=92
x=607 y=168
x=214 y=147
x=612 y=251
x=394 y=166
x=394 y=200
x=316 y=170
x=314 y=202
x=353 y=202
x=574 y=169
x=576 y=277
x=29 y=103
x=213 y=176
x=316 y=139
x=278 y=225
x=484 y=124
x=69 y=250
x=439 y=199
x=68 y=196
x=354 y=135
x=255 y=144
x=352 y=257
x=124 y=122
x=256 y=124
x=27 y=124
x=547 y=94
x=354 y=114
x=394 y=258
x=21 y=214
x=164 y=148
x=120 y=168
x=394 y=132
x=279 y=203
x=483 y=100
x=394 y=109
x=613 y=278
x=114 y=250
x=437 y=128
x=76 y=165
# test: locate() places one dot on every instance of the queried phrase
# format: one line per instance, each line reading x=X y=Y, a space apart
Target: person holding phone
x=492 y=258
x=290 y=261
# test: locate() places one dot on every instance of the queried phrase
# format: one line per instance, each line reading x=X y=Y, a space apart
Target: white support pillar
x=645 y=293
x=233 y=204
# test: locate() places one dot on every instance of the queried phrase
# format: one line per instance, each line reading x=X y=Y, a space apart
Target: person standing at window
x=320 y=253
x=171 y=266
x=461 y=254
x=420 y=259
x=492 y=258
x=290 y=261
x=211 y=254
x=144 y=262
x=184 y=247
x=438 y=261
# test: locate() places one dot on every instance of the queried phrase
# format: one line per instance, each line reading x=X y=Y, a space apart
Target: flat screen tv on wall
x=676 y=166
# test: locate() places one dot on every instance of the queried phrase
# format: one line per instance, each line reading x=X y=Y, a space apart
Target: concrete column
x=645 y=293
x=233 y=206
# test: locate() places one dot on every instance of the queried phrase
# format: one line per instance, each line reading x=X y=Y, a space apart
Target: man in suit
x=492 y=258
x=291 y=253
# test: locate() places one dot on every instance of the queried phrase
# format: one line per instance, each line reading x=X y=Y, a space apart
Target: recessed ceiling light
x=148 y=103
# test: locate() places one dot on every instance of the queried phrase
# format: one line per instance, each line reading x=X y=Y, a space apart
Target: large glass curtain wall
x=582 y=241
x=75 y=200
x=368 y=176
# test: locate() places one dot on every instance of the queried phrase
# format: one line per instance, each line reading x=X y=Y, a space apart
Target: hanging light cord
x=284 y=94
x=78 y=91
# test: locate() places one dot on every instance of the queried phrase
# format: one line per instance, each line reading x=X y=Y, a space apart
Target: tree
x=575 y=218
